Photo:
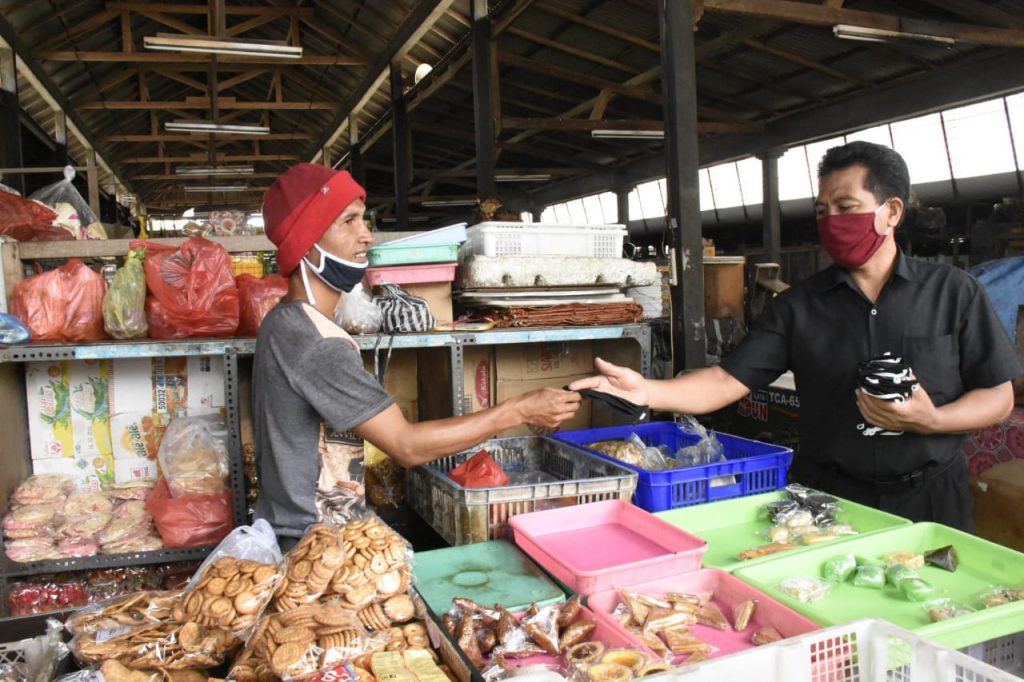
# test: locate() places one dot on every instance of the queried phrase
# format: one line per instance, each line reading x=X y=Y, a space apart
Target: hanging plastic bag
x=193 y=290
x=27 y=220
x=124 y=306
x=189 y=520
x=257 y=295
x=479 y=471
x=62 y=305
x=707 y=450
x=64 y=192
x=193 y=458
x=356 y=314
x=403 y=312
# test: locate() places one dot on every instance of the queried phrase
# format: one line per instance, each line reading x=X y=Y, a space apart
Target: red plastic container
x=412 y=274
x=603 y=545
x=729 y=591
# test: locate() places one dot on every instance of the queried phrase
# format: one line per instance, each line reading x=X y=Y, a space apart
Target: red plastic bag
x=190 y=520
x=258 y=295
x=26 y=220
x=62 y=305
x=479 y=471
x=193 y=290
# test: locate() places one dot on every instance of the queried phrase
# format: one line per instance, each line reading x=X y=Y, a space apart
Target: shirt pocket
x=936 y=364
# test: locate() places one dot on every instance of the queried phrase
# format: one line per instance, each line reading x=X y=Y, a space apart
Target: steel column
x=402 y=148
x=483 y=99
x=771 y=221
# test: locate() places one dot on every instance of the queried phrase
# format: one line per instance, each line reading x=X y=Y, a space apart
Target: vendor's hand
x=547 y=407
x=917 y=415
x=618 y=381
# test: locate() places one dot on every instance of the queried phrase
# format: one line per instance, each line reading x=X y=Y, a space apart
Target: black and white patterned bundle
x=885 y=377
x=403 y=312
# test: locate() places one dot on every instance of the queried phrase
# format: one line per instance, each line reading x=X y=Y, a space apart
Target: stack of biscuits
x=230 y=594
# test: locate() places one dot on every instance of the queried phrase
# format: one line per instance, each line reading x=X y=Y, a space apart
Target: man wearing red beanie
x=313 y=402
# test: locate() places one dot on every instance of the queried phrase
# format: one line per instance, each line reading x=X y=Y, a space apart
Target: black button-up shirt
x=938 y=318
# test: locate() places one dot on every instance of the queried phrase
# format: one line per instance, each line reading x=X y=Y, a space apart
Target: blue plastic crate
x=757 y=467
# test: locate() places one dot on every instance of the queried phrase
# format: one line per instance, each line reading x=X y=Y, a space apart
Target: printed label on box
x=135 y=470
x=137 y=434
x=48 y=399
x=89 y=473
x=90 y=420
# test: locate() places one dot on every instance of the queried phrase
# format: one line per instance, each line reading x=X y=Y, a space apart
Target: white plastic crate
x=862 y=651
x=1005 y=653
x=543 y=239
x=34 y=659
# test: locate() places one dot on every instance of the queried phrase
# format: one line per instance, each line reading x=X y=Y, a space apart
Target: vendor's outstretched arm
x=411 y=444
x=699 y=392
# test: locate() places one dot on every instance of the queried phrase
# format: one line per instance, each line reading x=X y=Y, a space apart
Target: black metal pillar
x=622 y=201
x=10 y=121
x=483 y=99
x=403 y=147
x=771 y=221
x=679 y=90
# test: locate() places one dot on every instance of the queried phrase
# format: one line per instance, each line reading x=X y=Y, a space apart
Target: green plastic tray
x=982 y=564
x=731 y=526
x=489 y=573
x=404 y=255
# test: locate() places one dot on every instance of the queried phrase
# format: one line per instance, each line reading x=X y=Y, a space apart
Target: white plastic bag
x=63 y=192
x=193 y=457
x=256 y=542
x=356 y=314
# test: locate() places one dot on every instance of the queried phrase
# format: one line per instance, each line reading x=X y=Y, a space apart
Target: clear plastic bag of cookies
x=377 y=563
x=141 y=608
x=170 y=646
x=303 y=641
x=310 y=567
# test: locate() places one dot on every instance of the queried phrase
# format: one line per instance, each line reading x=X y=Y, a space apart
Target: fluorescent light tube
x=215 y=45
x=211 y=127
x=214 y=170
x=879 y=35
x=449 y=202
x=620 y=134
x=525 y=177
x=189 y=189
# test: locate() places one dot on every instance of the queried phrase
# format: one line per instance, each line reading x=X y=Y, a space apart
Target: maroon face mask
x=850 y=238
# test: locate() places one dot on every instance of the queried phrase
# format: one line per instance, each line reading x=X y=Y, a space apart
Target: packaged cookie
x=301 y=642
x=169 y=645
x=310 y=567
x=142 y=608
x=376 y=564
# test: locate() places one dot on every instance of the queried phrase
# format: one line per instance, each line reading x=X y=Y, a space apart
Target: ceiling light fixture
x=213 y=45
x=449 y=202
x=190 y=189
x=214 y=170
x=879 y=35
x=525 y=177
x=215 y=128
x=620 y=134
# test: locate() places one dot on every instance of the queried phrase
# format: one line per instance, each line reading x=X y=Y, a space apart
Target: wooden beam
x=820 y=15
x=201 y=158
x=574 y=51
x=635 y=91
x=194 y=58
x=127 y=43
x=601 y=105
x=598 y=26
x=192 y=178
x=86 y=25
x=804 y=62
x=203 y=9
x=204 y=103
x=510 y=16
x=183 y=79
x=250 y=24
x=200 y=137
x=240 y=78
x=171 y=22
x=586 y=124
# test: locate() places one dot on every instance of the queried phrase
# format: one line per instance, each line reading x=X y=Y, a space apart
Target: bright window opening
x=920 y=142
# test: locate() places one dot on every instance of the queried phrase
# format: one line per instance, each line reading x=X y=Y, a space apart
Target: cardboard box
x=137 y=470
x=89 y=473
x=998 y=515
x=438 y=296
x=90 y=419
x=192 y=384
x=507 y=389
x=48 y=400
x=400 y=379
x=137 y=434
x=535 y=361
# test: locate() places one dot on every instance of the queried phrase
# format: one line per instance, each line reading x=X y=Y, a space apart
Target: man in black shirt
x=873 y=300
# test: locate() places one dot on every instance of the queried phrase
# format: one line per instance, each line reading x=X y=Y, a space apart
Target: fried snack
x=765 y=635
x=609 y=672
x=765 y=550
x=584 y=652
x=634 y=660
x=663 y=619
x=681 y=641
x=742 y=613
x=231 y=594
x=569 y=612
x=709 y=614
x=653 y=669
x=911 y=560
x=576 y=633
x=137 y=609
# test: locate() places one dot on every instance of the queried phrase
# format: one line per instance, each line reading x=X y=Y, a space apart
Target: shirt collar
x=833 y=275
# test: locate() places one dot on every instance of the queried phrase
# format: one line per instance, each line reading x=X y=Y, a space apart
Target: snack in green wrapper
x=839 y=569
x=894 y=574
x=869 y=576
x=916 y=589
x=124 y=305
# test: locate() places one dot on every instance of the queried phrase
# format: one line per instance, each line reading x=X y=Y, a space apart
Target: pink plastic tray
x=412 y=274
x=729 y=591
x=604 y=545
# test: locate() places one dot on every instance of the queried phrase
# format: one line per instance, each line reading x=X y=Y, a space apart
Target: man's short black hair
x=887 y=171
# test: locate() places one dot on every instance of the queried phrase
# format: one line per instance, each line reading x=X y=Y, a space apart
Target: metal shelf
x=153 y=348
x=12 y=569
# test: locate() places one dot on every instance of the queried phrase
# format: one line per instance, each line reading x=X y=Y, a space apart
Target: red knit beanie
x=300 y=206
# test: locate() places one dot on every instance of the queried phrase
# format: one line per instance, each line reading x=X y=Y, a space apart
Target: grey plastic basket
x=465 y=515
